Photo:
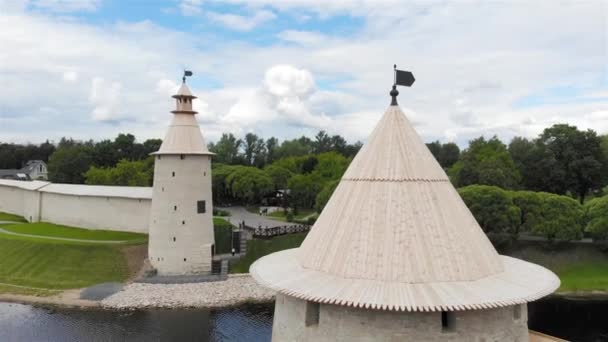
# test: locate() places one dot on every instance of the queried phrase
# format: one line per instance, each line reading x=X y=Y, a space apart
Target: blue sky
x=89 y=69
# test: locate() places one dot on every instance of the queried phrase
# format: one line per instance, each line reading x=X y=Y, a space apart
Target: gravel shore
x=236 y=290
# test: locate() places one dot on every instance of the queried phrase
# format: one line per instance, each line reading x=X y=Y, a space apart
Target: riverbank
x=237 y=289
x=67 y=299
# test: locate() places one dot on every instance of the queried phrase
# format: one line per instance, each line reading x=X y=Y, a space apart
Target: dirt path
x=67 y=298
x=4 y=231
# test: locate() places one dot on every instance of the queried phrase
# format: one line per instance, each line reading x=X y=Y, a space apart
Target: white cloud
x=241 y=22
x=301 y=37
x=70 y=76
x=284 y=98
x=288 y=81
x=474 y=63
x=105 y=97
x=66 y=6
x=190 y=7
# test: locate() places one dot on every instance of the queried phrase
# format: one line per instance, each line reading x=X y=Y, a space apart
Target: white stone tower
x=397 y=256
x=181 y=239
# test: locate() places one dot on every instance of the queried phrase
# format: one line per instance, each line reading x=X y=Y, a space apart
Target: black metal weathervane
x=187 y=73
x=402 y=78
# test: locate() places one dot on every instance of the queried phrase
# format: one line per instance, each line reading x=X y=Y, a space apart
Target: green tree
x=254 y=150
x=325 y=194
x=530 y=206
x=151 y=145
x=271 y=149
x=280 y=175
x=492 y=207
x=331 y=165
x=125 y=146
x=126 y=173
x=296 y=147
x=322 y=142
x=485 y=162
x=105 y=154
x=69 y=162
x=222 y=193
x=446 y=154
x=226 y=149
x=560 y=218
x=569 y=160
x=596 y=218
x=304 y=189
x=249 y=184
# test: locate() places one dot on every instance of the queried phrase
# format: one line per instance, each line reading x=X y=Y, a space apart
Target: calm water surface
x=575 y=320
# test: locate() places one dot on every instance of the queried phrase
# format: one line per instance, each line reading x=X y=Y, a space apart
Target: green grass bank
x=43 y=266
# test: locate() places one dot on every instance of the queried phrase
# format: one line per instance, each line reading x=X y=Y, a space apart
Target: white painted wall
x=110 y=212
x=11 y=199
x=181 y=239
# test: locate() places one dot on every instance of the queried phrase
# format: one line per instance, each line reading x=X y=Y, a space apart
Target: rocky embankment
x=237 y=289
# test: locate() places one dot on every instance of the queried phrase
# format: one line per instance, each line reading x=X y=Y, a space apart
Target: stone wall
x=102 y=208
x=110 y=213
x=298 y=320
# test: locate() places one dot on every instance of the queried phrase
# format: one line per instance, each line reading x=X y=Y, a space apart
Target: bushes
x=492 y=207
x=502 y=213
x=560 y=218
x=596 y=217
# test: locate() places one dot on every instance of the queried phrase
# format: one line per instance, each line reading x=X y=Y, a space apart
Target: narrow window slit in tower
x=173 y=173
x=174 y=239
x=182 y=157
x=183 y=222
x=312 y=313
x=184 y=259
x=174 y=208
x=517 y=312
x=447 y=321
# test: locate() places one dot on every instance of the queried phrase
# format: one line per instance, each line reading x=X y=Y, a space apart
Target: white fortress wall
x=15 y=194
x=117 y=208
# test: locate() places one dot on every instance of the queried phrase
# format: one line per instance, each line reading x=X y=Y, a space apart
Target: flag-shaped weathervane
x=187 y=73
x=402 y=78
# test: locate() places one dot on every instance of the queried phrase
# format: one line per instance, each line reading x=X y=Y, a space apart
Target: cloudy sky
x=89 y=69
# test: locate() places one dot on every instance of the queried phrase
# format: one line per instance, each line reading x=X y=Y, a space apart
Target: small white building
x=181 y=239
x=397 y=256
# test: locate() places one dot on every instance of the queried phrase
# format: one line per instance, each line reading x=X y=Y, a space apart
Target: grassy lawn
x=11 y=217
x=49 y=264
x=257 y=248
x=580 y=267
x=53 y=230
x=27 y=291
x=223 y=235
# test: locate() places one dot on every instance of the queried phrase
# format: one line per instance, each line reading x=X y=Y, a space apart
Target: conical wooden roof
x=396 y=235
x=184 y=134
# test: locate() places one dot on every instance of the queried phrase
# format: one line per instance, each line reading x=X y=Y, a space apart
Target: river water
x=574 y=320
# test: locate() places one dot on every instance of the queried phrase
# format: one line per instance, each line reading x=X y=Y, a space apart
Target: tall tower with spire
x=181 y=240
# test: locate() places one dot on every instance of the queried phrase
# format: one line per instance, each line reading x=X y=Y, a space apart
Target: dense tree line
x=255 y=151
x=510 y=214
x=561 y=160
x=14 y=156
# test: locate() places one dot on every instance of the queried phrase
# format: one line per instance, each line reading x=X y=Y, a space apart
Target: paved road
x=240 y=214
